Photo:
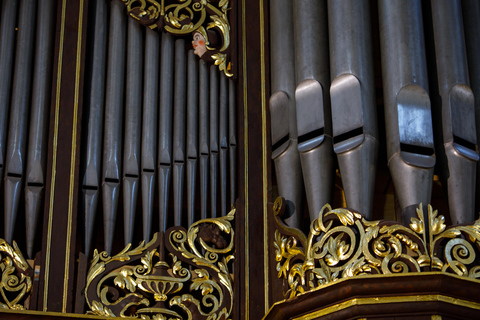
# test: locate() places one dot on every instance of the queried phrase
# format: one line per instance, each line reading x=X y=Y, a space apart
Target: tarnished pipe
x=214 y=143
x=192 y=133
x=36 y=158
x=133 y=118
x=8 y=20
x=18 y=130
x=203 y=133
x=232 y=140
x=312 y=101
x=408 y=119
x=149 y=127
x=457 y=150
x=112 y=147
x=95 y=103
x=165 y=126
x=355 y=133
x=179 y=122
x=282 y=110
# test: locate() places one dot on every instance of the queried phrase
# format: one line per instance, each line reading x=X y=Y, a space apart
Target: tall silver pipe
x=18 y=130
x=471 y=16
x=203 y=133
x=352 y=92
x=214 y=143
x=282 y=110
x=112 y=147
x=133 y=118
x=458 y=151
x=312 y=101
x=232 y=140
x=95 y=102
x=165 y=126
x=192 y=133
x=179 y=122
x=149 y=127
x=408 y=119
x=36 y=158
x=8 y=20
x=223 y=141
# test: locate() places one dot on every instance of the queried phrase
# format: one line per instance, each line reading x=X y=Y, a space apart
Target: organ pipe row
x=323 y=101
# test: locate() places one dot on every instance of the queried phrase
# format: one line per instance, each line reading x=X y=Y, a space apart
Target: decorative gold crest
x=342 y=244
x=183 y=275
x=16 y=282
x=184 y=17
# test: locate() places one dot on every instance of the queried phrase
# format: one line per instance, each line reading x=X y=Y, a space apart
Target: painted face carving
x=198 y=44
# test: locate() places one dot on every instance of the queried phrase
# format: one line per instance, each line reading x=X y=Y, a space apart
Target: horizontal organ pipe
x=458 y=151
x=17 y=133
x=38 y=122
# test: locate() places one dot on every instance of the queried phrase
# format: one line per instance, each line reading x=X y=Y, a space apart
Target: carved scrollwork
x=183 y=275
x=342 y=244
x=185 y=17
x=16 y=281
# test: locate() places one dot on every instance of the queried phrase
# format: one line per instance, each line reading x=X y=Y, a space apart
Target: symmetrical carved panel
x=342 y=244
x=183 y=275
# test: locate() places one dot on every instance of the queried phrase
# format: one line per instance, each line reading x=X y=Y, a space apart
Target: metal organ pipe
x=112 y=148
x=457 y=147
x=133 y=131
x=18 y=129
x=410 y=152
x=36 y=159
x=95 y=102
x=312 y=101
x=283 y=112
x=223 y=142
x=232 y=135
x=149 y=127
x=214 y=143
x=204 y=134
x=353 y=101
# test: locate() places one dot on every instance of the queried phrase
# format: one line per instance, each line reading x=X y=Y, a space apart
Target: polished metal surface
x=8 y=20
x=408 y=119
x=114 y=107
x=133 y=130
x=16 y=156
x=40 y=106
x=95 y=103
x=214 y=142
x=457 y=149
x=165 y=124
x=203 y=133
x=282 y=110
x=312 y=101
x=353 y=100
x=149 y=127
x=179 y=129
x=192 y=134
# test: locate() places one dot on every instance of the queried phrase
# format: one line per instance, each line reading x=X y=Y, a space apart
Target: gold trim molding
x=185 y=17
x=16 y=281
x=184 y=274
x=342 y=244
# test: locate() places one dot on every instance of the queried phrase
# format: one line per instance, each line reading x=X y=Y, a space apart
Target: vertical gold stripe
x=73 y=157
x=54 y=159
x=245 y=144
x=264 y=156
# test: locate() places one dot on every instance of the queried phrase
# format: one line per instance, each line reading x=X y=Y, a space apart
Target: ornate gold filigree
x=183 y=17
x=342 y=244
x=16 y=282
x=192 y=282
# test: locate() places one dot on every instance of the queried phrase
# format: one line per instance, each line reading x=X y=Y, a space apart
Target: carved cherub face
x=198 y=44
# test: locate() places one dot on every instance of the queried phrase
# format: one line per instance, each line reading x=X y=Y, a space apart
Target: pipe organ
x=333 y=107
